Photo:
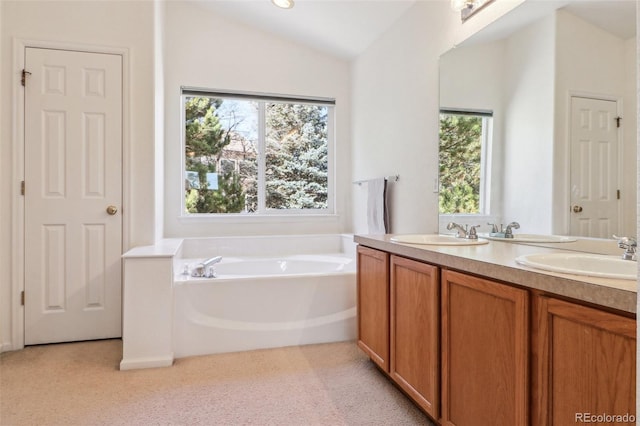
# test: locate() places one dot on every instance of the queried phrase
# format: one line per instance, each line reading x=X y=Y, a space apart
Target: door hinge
x=22 y=188
x=22 y=298
x=23 y=80
x=618 y=119
x=618 y=194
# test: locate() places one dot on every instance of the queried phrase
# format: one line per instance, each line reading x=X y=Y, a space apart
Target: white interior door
x=73 y=174
x=594 y=168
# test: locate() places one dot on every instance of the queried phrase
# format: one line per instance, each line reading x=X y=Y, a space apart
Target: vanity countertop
x=496 y=260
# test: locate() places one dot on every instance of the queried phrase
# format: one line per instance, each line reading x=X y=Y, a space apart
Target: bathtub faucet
x=205 y=268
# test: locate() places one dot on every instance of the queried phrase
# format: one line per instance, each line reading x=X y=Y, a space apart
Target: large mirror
x=530 y=109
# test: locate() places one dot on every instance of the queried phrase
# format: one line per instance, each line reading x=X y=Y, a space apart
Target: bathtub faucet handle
x=198 y=271
x=211 y=272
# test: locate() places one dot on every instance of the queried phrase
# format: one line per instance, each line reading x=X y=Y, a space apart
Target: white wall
x=159 y=101
x=592 y=61
x=528 y=135
x=5 y=213
x=630 y=150
x=122 y=24
x=395 y=117
x=242 y=58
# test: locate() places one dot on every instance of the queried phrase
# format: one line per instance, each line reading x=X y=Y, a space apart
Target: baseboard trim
x=136 y=363
x=6 y=347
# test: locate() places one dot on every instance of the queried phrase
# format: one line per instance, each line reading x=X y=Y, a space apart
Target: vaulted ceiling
x=342 y=28
x=345 y=28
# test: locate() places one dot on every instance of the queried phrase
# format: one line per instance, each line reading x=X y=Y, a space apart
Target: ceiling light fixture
x=468 y=7
x=458 y=5
x=284 y=4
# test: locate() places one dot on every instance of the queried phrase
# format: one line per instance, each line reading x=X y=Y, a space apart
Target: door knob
x=577 y=209
x=112 y=210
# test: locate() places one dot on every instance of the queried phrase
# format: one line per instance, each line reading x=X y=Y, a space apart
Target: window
x=254 y=154
x=464 y=142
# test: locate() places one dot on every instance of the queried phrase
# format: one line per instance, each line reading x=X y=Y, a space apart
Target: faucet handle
x=494 y=227
x=629 y=244
x=626 y=242
x=211 y=272
x=472 y=234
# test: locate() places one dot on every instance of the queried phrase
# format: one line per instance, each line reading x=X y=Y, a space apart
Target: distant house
x=239 y=149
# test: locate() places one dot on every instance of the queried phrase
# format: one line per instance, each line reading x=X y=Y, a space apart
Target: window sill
x=260 y=218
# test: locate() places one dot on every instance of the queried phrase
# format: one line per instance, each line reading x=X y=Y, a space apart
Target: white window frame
x=485 y=164
x=262 y=98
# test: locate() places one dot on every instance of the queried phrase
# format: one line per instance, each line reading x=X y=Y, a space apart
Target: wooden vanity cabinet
x=471 y=351
x=373 y=305
x=485 y=351
x=414 y=331
x=584 y=363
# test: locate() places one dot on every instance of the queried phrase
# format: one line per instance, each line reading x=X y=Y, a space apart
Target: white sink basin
x=437 y=240
x=595 y=265
x=533 y=238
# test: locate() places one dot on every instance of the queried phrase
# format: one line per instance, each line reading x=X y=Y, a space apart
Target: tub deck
x=270 y=292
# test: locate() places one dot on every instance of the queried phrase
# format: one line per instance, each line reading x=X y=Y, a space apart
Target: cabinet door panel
x=373 y=305
x=414 y=331
x=585 y=363
x=485 y=345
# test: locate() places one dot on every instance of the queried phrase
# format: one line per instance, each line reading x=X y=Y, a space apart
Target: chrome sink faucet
x=629 y=244
x=467 y=232
x=507 y=232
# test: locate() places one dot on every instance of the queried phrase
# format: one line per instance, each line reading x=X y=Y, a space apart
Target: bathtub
x=268 y=292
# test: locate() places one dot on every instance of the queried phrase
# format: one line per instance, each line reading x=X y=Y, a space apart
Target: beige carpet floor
x=80 y=384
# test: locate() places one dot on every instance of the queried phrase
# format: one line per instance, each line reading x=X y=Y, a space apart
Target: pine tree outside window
x=249 y=154
x=465 y=139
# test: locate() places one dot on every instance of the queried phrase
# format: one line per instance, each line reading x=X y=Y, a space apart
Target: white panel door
x=594 y=168
x=73 y=174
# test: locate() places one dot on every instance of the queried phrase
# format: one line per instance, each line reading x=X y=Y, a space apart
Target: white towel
x=377 y=206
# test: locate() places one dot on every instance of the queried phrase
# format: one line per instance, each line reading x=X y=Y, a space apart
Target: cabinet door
x=373 y=305
x=485 y=345
x=585 y=364
x=414 y=331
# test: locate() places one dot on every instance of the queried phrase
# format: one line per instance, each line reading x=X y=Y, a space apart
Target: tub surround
x=496 y=260
x=245 y=312
x=147 y=305
x=159 y=323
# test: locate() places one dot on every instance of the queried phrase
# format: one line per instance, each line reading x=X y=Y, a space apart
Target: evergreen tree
x=460 y=151
x=205 y=138
x=296 y=157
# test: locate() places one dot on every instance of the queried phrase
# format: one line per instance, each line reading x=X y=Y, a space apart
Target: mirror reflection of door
x=594 y=168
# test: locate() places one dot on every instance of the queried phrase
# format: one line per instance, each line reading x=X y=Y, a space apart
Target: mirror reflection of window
x=465 y=140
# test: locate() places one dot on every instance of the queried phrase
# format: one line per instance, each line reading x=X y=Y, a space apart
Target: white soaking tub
x=268 y=292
